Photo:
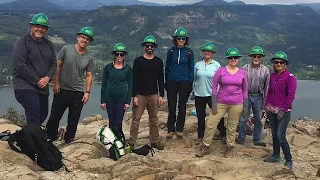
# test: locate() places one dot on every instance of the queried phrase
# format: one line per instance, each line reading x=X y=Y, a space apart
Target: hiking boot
x=260 y=144
x=68 y=141
x=239 y=141
x=158 y=145
x=272 y=159
x=228 y=151
x=223 y=140
x=179 y=135
x=169 y=135
x=288 y=164
x=203 y=150
x=198 y=141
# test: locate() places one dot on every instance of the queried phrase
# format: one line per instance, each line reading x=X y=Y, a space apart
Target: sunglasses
x=118 y=54
x=181 y=38
x=258 y=57
x=149 y=46
x=278 y=62
x=84 y=37
x=233 y=58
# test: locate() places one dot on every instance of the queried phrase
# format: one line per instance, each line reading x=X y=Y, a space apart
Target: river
x=306 y=104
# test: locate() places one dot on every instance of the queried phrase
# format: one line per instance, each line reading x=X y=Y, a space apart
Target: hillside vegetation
x=293 y=29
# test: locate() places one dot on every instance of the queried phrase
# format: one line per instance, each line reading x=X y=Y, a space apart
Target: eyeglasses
x=181 y=38
x=278 y=62
x=233 y=58
x=207 y=51
x=258 y=57
x=149 y=46
x=118 y=54
x=84 y=37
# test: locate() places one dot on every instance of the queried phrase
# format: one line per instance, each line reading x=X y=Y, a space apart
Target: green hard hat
x=149 y=39
x=180 y=32
x=119 y=48
x=40 y=19
x=232 y=52
x=208 y=47
x=86 y=31
x=256 y=50
x=280 y=55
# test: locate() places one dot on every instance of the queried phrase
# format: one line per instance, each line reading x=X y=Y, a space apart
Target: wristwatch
x=88 y=92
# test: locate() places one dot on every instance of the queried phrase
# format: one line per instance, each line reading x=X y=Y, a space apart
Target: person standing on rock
x=258 y=82
x=281 y=93
x=204 y=71
x=73 y=62
x=34 y=64
x=116 y=88
x=148 y=82
x=179 y=73
x=231 y=98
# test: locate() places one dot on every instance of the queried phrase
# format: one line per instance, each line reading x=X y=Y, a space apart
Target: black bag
x=144 y=150
x=31 y=140
x=4 y=136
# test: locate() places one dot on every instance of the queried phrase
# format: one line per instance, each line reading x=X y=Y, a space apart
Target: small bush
x=13 y=116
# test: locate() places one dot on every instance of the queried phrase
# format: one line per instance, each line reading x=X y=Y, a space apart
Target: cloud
x=246 y=1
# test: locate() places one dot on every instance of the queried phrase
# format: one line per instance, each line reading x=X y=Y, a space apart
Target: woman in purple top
x=281 y=92
x=231 y=98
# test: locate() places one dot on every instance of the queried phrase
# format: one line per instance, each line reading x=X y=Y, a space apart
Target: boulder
x=100 y=166
x=184 y=177
x=19 y=172
x=11 y=127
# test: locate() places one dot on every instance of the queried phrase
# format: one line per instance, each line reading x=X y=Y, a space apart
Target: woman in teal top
x=204 y=71
x=116 y=89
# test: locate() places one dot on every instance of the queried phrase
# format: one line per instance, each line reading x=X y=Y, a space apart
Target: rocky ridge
x=87 y=158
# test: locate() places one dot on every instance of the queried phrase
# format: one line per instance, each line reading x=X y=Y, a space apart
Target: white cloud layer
x=246 y=1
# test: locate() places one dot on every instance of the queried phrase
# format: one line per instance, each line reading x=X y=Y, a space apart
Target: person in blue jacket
x=179 y=73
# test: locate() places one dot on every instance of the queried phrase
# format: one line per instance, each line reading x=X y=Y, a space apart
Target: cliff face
x=88 y=159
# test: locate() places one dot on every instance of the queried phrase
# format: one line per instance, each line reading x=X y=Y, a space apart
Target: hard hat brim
x=257 y=54
x=31 y=23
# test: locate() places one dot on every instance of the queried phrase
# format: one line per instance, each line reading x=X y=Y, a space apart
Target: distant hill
x=211 y=2
x=237 y=3
x=30 y=5
x=314 y=6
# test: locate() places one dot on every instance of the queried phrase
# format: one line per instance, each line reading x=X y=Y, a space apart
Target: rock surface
x=87 y=158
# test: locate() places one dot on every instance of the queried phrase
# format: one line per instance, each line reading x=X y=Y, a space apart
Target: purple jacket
x=282 y=90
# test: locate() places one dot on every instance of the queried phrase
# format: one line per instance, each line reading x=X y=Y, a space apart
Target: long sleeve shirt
x=203 y=76
x=258 y=79
x=32 y=60
x=179 y=67
x=148 y=77
x=116 y=84
x=233 y=87
x=282 y=90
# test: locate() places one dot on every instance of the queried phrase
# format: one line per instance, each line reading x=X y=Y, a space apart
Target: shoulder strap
x=189 y=53
x=171 y=57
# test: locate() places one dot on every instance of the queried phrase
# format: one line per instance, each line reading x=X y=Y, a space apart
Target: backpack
x=189 y=53
x=144 y=150
x=4 y=136
x=31 y=140
x=113 y=139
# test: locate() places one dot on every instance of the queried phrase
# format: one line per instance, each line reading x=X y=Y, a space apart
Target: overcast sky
x=246 y=1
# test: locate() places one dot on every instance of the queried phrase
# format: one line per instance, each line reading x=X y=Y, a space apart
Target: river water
x=306 y=104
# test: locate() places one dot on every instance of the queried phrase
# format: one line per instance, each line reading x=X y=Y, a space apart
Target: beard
x=149 y=51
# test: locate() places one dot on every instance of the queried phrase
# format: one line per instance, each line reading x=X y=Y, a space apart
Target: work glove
x=280 y=115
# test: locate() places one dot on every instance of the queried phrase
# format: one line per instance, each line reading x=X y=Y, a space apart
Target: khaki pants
x=231 y=123
x=150 y=102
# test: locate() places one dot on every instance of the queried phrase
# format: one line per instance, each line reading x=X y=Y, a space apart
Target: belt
x=255 y=94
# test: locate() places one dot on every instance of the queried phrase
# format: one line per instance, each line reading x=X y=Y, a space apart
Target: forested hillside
x=293 y=29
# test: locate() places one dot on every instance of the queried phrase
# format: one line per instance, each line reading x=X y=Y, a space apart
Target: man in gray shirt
x=72 y=63
x=258 y=82
x=34 y=64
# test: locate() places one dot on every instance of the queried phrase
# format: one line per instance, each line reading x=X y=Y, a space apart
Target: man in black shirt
x=148 y=81
x=34 y=64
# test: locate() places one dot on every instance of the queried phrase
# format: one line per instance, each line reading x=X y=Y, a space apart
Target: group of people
x=227 y=90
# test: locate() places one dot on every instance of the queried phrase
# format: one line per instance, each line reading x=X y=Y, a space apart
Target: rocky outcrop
x=88 y=159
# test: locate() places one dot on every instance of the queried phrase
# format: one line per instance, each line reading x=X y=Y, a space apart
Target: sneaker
x=223 y=140
x=239 y=141
x=68 y=141
x=179 y=135
x=272 y=159
x=260 y=144
x=169 y=135
x=198 y=141
x=228 y=151
x=288 y=164
x=203 y=150
x=158 y=145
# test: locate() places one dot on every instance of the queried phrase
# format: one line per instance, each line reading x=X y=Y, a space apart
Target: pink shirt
x=233 y=88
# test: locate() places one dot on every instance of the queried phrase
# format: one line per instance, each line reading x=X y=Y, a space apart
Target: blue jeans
x=35 y=105
x=279 y=129
x=254 y=102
